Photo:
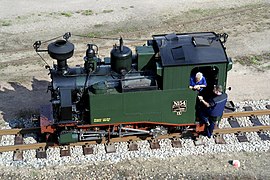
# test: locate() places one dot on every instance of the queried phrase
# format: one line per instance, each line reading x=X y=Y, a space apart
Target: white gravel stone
x=144 y=151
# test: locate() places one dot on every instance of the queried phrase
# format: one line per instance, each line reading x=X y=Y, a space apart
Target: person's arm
x=199 y=86
x=191 y=83
x=203 y=101
x=204 y=84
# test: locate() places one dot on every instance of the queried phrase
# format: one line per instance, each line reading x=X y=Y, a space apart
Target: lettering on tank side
x=102 y=120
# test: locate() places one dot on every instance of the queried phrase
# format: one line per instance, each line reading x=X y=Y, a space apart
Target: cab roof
x=189 y=49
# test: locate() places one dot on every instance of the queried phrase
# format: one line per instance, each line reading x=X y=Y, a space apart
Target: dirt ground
x=24 y=80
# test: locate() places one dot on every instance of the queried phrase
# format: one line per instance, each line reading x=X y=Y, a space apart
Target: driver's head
x=217 y=89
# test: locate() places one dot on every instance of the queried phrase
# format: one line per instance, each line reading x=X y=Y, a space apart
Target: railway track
x=175 y=138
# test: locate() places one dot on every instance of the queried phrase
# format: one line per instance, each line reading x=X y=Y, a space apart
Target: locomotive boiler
x=145 y=92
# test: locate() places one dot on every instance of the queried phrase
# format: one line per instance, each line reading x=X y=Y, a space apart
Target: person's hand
x=197 y=87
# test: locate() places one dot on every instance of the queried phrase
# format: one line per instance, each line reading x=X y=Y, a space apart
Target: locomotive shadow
x=20 y=102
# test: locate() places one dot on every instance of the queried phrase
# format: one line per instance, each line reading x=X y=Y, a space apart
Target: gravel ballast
x=210 y=152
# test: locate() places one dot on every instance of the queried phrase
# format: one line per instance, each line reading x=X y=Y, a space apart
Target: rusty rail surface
x=36 y=146
x=241 y=129
x=246 y=113
x=19 y=131
x=127 y=139
x=225 y=115
x=132 y=138
x=21 y=147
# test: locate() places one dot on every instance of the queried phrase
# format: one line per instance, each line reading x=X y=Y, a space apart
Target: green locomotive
x=125 y=94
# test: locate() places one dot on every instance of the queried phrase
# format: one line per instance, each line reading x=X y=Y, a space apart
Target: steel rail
x=241 y=129
x=19 y=131
x=246 y=113
x=22 y=147
x=132 y=138
x=36 y=146
x=225 y=115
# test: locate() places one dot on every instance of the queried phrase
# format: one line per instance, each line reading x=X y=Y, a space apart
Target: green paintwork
x=145 y=54
x=100 y=88
x=70 y=137
x=159 y=69
x=230 y=64
x=152 y=106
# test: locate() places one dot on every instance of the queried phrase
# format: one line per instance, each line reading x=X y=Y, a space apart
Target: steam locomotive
x=145 y=92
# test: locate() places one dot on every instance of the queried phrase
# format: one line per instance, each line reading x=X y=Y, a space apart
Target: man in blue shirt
x=198 y=82
x=214 y=109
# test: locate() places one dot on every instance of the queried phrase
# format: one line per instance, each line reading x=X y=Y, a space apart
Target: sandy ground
x=23 y=78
